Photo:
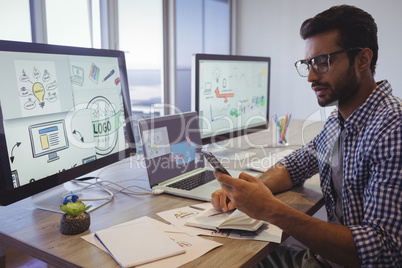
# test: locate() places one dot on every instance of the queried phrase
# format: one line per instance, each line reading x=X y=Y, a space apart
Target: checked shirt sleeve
x=302 y=163
x=379 y=237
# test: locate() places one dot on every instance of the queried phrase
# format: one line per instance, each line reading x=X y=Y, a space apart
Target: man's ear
x=363 y=59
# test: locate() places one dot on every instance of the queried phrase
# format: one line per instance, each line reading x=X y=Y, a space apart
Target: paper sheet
x=178 y=217
x=195 y=246
x=137 y=244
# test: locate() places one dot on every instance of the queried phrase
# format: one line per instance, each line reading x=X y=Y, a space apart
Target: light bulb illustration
x=39 y=92
x=155 y=147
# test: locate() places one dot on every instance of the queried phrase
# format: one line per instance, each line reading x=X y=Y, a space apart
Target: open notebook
x=211 y=219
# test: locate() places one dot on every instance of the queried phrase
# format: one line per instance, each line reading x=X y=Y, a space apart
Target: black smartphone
x=214 y=162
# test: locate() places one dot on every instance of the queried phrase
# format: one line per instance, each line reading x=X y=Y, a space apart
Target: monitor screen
x=230 y=94
x=64 y=112
x=171 y=146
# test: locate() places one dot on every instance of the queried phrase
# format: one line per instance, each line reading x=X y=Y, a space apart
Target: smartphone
x=214 y=162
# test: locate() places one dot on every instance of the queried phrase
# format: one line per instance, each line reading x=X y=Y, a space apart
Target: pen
x=220 y=213
x=277 y=121
x=194 y=207
x=107 y=76
x=284 y=129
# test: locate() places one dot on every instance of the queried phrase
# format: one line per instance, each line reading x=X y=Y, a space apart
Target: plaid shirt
x=372 y=180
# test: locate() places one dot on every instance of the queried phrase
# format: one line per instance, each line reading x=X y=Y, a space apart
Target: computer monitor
x=64 y=112
x=230 y=94
x=48 y=138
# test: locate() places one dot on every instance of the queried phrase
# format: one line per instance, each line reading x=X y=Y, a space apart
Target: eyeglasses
x=319 y=63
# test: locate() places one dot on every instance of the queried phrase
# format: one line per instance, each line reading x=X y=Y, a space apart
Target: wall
x=271 y=28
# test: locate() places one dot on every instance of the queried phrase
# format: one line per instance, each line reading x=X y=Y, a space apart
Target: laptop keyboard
x=193 y=181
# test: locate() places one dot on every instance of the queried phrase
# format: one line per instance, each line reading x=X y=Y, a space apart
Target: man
x=358 y=155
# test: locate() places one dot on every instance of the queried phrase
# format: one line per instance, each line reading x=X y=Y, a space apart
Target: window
x=202 y=26
x=15 y=21
x=140 y=37
x=73 y=23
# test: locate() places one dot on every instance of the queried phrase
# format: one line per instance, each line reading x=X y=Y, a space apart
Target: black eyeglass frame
x=310 y=62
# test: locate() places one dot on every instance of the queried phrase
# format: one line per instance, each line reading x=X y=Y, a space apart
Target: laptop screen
x=172 y=146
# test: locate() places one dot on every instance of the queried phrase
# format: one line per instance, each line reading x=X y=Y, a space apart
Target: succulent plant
x=74 y=209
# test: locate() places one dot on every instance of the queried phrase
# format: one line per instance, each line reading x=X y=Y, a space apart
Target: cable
x=127 y=189
x=106 y=186
x=89 y=184
x=262 y=149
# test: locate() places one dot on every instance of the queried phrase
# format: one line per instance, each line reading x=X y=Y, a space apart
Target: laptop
x=78 y=75
x=172 y=150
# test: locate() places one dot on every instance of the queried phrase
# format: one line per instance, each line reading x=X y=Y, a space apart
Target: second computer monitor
x=230 y=94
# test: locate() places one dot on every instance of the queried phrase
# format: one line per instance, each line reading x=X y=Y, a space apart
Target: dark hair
x=356 y=28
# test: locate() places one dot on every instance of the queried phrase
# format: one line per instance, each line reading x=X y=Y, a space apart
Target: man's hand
x=246 y=193
x=221 y=202
x=277 y=179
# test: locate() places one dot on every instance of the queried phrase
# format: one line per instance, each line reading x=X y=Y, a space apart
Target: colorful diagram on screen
x=183 y=152
x=105 y=123
x=94 y=73
x=233 y=93
x=37 y=88
x=225 y=96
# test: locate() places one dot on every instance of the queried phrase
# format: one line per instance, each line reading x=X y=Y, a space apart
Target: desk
x=35 y=231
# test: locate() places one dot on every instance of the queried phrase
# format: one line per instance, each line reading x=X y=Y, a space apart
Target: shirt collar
x=359 y=117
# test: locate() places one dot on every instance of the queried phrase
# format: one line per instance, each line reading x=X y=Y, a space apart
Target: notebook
x=172 y=150
x=136 y=244
x=211 y=219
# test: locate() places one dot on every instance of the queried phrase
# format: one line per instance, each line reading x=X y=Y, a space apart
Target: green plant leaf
x=74 y=209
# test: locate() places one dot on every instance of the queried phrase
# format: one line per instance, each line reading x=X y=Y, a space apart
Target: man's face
x=339 y=84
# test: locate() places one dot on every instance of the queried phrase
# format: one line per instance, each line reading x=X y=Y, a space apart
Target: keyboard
x=78 y=80
x=193 y=181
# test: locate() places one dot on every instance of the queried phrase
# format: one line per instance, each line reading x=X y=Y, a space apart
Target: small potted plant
x=75 y=219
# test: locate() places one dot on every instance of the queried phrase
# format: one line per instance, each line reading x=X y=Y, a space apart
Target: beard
x=341 y=91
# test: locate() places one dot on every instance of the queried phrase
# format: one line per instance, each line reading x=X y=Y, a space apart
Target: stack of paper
x=137 y=244
x=193 y=245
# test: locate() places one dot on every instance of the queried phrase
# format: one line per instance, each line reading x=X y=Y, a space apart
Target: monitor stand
x=228 y=153
x=52 y=199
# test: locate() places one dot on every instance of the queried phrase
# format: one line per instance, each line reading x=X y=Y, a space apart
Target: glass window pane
x=68 y=23
x=141 y=38
x=202 y=26
x=189 y=31
x=15 y=21
x=217 y=27
x=96 y=26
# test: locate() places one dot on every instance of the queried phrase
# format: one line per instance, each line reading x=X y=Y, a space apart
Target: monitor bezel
x=9 y=194
x=195 y=98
